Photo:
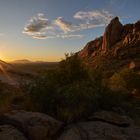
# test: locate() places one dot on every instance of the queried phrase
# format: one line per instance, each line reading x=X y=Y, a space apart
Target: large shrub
x=69 y=92
x=77 y=100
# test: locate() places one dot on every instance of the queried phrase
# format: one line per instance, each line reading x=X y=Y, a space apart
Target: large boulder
x=8 y=132
x=103 y=125
x=36 y=126
x=96 y=130
x=112 y=34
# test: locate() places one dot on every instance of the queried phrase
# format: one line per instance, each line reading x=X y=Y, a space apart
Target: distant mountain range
x=22 y=61
x=26 y=61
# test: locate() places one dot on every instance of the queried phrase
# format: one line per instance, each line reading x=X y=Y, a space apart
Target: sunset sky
x=46 y=29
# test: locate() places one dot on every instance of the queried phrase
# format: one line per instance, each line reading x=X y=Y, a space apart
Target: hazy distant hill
x=24 y=61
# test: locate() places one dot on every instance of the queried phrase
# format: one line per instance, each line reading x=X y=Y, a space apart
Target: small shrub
x=8 y=94
x=126 y=79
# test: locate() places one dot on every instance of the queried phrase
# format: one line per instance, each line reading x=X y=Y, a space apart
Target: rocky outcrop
x=134 y=65
x=92 y=48
x=112 y=34
x=103 y=125
x=35 y=126
x=137 y=26
x=119 y=42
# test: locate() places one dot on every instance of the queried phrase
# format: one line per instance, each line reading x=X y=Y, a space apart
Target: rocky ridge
x=119 y=42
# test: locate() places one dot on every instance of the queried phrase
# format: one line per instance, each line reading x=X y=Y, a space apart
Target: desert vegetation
x=73 y=91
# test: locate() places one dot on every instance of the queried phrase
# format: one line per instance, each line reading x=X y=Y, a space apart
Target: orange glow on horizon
x=7 y=56
x=49 y=59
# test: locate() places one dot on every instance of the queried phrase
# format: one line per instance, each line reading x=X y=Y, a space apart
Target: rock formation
x=91 y=48
x=119 y=42
x=112 y=34
x=99 y=131
x=102 y=126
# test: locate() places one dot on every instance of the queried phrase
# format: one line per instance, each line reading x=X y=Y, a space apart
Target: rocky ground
x=103 y=125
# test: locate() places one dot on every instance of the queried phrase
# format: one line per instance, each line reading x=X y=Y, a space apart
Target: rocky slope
x=119 y=43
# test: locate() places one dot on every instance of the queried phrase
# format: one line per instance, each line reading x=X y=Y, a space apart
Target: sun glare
x=7 y=76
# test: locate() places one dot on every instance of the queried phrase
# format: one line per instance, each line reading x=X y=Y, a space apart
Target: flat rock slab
x=111 y=117
x=8 y=132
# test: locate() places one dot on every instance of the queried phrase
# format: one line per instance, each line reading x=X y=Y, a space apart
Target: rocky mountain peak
x=112 y=34
x=119 y=42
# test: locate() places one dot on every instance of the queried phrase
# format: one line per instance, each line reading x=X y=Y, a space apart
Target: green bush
x=114 y=100
x=117 y=83
x=125 y=79
x=71 y=69
x=77 y=100
x=131 y=77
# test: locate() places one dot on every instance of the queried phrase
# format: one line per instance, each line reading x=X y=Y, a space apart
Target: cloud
x=71 y=36
x=37 y=26
x=40 y=27
x=88 y=20
x=94 y=18
x=89 y=26
x=65 y=26
x=42 y=37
